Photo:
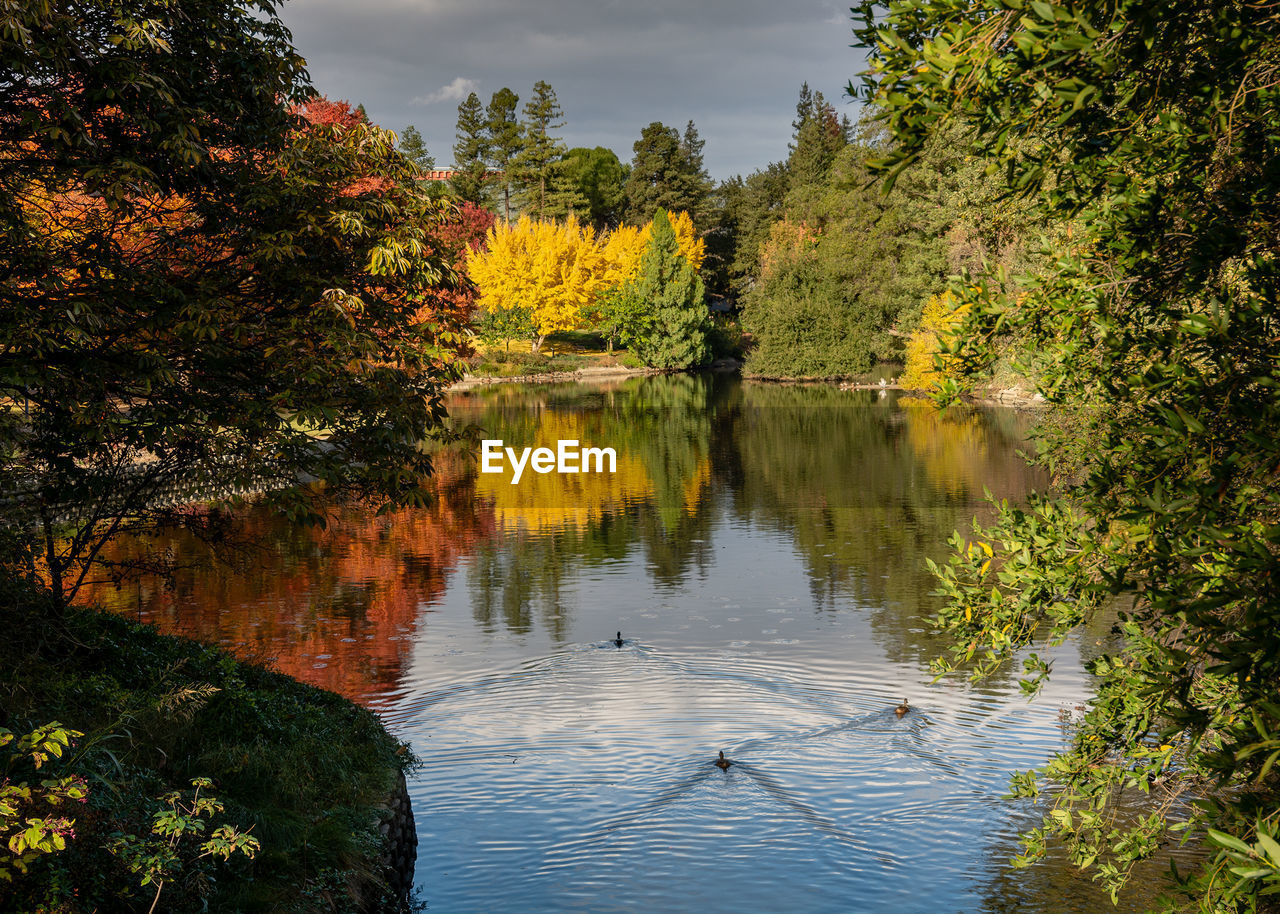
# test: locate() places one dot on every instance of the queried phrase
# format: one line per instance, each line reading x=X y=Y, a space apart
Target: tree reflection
x=864 y=487
x=336 y=607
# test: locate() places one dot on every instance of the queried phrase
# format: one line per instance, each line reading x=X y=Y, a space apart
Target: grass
x=561 y=353
x=305 y=769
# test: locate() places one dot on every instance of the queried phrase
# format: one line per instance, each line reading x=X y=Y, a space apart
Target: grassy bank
x=561 y=353
x=301 y=769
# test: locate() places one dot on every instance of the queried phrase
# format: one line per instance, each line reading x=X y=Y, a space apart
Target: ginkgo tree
x=549 y=270
x=547 y=276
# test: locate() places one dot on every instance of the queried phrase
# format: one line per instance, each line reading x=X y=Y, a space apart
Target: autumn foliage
x=561 y=273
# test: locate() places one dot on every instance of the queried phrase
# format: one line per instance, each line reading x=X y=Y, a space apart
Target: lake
x=762 y=551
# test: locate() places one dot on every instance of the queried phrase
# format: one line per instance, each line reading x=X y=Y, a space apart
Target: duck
x=902 y=708
x=723 y=763
x=617 y=641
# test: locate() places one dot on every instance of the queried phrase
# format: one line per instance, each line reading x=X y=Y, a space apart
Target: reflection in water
x=762 y=549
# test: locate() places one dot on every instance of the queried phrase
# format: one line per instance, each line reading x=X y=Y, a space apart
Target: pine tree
x=414 y=148
x=470 y=151
x=675 y=333
x=534 y=164
x=506 y=139
x=819 y=135
x=666 y=173
x=700 y=183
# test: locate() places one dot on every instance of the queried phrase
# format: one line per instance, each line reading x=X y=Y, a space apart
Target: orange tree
x=199 y=284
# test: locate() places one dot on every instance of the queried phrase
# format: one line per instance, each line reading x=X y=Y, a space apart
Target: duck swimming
x=723 y=763
x=617 y=641
x=902 y=708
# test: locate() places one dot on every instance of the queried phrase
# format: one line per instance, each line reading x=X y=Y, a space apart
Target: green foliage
x=831 y=287
x=623 y=315
x=502 y=325
x=1144 y=139
x=26 y=834
x=470 y=151
x=675 y=323
x=534 y=166
x=173 y=844
x=302 y=768
x=198 y=275
x=666 y=173
x=744 y=212
x=598 y=177
x=505 y=140
x=819 y=136
x=414 y=148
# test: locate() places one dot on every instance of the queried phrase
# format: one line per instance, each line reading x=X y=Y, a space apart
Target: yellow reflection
x=952 y=444
x=548 y=500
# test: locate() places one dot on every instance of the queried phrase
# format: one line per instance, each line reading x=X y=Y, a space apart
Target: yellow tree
x=625 y=245
x=927 y=366
x=692 y=247
x=618 y=310
x=550 y=270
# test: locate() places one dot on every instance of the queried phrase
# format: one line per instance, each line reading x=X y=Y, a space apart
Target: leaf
x=1227 y=841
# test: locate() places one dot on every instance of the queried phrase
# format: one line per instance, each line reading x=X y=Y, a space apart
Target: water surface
x=762 y=551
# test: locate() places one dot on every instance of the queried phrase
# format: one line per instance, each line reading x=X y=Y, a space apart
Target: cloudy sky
x=732 y=66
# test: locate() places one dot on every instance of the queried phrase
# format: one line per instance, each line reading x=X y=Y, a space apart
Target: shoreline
x=581 y=375
x=1014 y=397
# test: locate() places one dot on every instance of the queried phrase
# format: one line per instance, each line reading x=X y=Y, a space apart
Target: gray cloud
x=734 y=67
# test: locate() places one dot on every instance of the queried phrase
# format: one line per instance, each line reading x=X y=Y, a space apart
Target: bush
x=301 y=769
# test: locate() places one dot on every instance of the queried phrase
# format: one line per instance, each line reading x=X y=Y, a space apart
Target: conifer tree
x=534 y=164
x=506 y=139
x=470 y=152
x=675 y=333
x=819 y=135
x=414 y=148
x=666 y=173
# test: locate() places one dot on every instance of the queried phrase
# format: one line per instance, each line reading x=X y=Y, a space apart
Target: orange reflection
x=337 y=608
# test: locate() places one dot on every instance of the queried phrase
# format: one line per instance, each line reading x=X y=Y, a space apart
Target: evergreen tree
x=819 y=135
x=674 y=334
x=564 y=198
x=666 y=173
x=600 y=178
x=506 y=139
x=534 y=164
x=414 y=148
x=470 y=152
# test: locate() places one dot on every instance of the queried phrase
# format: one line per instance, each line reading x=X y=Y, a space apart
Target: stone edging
x=400 y=855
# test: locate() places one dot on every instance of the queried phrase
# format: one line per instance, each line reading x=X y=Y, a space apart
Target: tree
x=666 y=173
x=674 y=334
x=835 y=276
x=1144 y=139
x=201 y=287
x=534 y=165
x=599 y=178
x=470 y=152
x=620 y=309
x=819 y=135
x=550 y=271
x=414 y=148
x=506 y=139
